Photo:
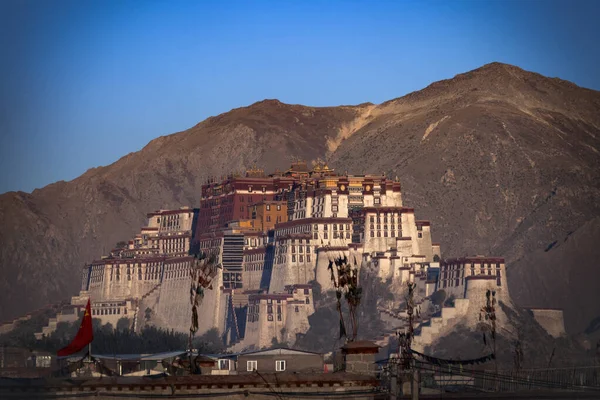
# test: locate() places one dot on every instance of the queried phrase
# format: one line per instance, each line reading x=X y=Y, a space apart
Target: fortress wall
x=218 y=318
x=409 y=229
x=292 y=272
x=174 y=310
x=173 y=304
x=280 y=276
x=383 y=266
x=301 y=272
x=323 y=275
x=252 y=334
x=296 y=322
x=404 y=247
x=424 y=244
x=252 y=279
x=378 y=243
x=551 y=320
x=457 y=291
x=475 y=292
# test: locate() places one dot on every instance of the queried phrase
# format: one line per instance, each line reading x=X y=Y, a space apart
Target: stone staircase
x=65 y=312
x=431 y=328
x=136 y=325
x=239 y=299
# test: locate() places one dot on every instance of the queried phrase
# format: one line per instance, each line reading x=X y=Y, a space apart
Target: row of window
x=256 y=267
x=392 y=218
x=252 y=365
x=109 y=311
x=335 y=235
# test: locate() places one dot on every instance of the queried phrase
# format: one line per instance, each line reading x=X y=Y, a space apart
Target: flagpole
x=90 y=343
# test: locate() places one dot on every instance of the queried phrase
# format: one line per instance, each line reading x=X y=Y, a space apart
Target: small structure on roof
x=359 y=357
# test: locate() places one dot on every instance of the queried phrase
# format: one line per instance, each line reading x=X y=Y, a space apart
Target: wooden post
x=414 y=390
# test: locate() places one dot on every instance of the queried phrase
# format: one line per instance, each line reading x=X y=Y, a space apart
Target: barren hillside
x=503 y=162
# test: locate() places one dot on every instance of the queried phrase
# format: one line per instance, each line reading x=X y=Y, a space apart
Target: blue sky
x=83 y=83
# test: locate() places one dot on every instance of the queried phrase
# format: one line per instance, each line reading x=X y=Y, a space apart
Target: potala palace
x=273 y=236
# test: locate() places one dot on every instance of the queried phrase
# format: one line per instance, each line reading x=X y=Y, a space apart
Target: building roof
x=280 y=351
x=140 y=357
x=360 y=344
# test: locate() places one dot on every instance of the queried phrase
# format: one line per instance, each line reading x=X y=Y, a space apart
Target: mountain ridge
x=479 y=154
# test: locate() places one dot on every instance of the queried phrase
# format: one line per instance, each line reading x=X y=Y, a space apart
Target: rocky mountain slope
x=503 y=161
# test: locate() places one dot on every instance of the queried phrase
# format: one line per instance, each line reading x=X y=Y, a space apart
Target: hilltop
x=503 y=161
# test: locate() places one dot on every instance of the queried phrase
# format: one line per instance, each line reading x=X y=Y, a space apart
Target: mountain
x=501 y=160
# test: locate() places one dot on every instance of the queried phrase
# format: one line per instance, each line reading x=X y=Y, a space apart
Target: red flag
x=84 y=336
